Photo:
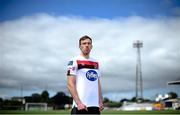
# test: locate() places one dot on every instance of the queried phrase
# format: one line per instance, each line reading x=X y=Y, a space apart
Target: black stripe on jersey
x=82 y=66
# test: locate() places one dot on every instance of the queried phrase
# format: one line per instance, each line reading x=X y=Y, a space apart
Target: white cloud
x=35 y=50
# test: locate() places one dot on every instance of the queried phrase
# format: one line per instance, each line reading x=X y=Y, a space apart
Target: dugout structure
x=36 y=106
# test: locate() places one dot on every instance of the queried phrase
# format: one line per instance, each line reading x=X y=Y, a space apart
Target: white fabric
x=86 y=85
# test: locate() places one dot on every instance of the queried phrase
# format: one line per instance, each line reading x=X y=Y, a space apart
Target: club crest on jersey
x=92 y=75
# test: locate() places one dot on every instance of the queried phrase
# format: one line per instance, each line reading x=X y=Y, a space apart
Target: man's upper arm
x=71 y=72
x=71 y=79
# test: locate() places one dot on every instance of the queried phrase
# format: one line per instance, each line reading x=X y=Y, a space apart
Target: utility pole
x=139 y=83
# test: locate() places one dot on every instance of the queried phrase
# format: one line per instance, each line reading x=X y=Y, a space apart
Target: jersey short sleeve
x=72 y=68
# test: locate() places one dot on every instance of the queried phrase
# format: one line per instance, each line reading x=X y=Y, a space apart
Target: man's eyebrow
x=87 y=42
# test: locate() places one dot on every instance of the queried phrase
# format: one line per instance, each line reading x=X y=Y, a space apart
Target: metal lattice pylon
x=139 y=83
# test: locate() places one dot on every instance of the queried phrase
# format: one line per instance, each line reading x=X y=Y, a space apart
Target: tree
x=125 y=100
x=11 y=105
x=172 y=95
x=44 y=96
x=36 y=97
x=1 y=100
x=60 y=99
x=105 y=100
x=138 y=100
x=28 y=98
x=113 y=104
x=1 y=103
x=134 y=99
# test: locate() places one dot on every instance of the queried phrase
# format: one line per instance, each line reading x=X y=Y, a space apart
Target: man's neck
x=85 y=56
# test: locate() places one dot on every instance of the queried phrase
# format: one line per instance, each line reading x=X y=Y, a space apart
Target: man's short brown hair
x=83 y=38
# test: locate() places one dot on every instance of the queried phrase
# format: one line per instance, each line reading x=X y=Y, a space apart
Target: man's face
x=86 y=46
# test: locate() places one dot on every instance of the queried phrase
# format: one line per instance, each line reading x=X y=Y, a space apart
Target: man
x=83 y=81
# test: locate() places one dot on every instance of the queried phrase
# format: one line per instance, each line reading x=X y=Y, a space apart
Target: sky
x=39 y=37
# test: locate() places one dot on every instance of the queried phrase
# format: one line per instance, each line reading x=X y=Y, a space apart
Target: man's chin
x=86 y=53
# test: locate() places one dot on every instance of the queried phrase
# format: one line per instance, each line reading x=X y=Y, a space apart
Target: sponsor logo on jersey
x=92 y=75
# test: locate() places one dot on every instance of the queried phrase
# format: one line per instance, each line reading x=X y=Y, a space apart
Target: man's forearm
x=72 y=89
x=99 y=91
x=100 y=96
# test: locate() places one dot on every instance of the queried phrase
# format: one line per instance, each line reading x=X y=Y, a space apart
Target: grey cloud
x=35 y=50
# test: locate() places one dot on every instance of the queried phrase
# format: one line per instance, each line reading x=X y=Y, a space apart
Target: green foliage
x=36 y=97
x=172 y=95
x=58 y=101
x=112 y=104
x=44 y=96
x=11 y=105
x=134 y=99
x=1 y=103
x=105 y=100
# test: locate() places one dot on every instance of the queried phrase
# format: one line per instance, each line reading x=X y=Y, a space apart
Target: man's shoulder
x=74 y=58
x=71 y=61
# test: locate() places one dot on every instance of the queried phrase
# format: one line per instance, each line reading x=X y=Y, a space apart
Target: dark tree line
x=60 y=99
x=57 y=101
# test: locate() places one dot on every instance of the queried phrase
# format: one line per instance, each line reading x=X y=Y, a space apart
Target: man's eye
x=86 y=43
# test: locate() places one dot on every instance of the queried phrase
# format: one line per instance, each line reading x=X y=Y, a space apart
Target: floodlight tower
x=139 y=83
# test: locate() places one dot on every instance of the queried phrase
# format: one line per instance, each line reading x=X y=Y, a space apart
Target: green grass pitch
x=105 y=112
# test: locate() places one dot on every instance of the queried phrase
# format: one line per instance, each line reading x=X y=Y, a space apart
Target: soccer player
x=83 y=81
